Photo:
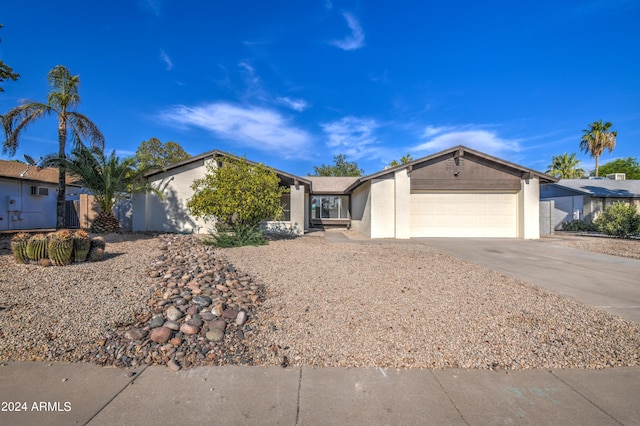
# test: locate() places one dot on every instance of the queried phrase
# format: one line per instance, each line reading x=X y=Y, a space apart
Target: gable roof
x=331 y=184
x=457 y=151
x=606 y=188
x=21 y=171
x=285 y=177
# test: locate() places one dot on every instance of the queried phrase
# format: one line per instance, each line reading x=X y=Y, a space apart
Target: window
x=39 y=190
x=285 y=202
x=330 y=207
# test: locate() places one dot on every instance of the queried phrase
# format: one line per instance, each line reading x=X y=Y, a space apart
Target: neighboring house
x=585 y=199
x=28 y=196
x=458 y=192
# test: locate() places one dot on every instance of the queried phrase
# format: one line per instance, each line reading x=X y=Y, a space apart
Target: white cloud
x=166 y=59
x=295 y=104
x=432 y=131
x=482 y=140
x=253 y=127
x=251 y=79
x=247 y=67
x=356 y=39
x=152 y=6
x=351 y=136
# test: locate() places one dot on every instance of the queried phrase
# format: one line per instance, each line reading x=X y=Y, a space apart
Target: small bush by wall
x=619 y=219
x=578 y=226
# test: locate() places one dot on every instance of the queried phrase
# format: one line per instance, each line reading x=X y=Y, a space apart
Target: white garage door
x=464 y=215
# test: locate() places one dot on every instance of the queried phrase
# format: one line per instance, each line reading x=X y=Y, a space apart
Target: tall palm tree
x=565 y=166
x=108 y=178
x=63 y=98
x=596 y=139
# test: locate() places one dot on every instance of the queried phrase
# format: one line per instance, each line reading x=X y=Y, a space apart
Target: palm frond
x=108 y=178
x=84 y=129
x=17 y=120
x=64 y=88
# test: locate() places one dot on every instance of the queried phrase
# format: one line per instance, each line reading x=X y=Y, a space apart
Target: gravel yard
x=59 y=313
x=599 y=244
x=406 y=305
x=352 y=303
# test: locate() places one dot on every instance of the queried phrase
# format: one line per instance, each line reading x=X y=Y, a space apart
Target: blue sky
x=293 y=83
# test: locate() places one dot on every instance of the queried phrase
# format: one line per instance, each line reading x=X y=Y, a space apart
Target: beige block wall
x=402 y=204
x=529 y=209
x=88 y=210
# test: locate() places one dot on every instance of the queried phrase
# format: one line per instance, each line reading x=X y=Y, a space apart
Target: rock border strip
x=202 y=313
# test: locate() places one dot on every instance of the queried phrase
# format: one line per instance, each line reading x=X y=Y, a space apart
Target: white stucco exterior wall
x=402 y=204
x=150 y=213
x=383 y=208
x=26 y=211
x=361 y=209
x=307 y=213
x=529 y=209
x=297 y=208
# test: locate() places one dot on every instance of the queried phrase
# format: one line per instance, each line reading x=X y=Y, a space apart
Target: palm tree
x=403 y=160
x=109 y=179
x=565 y=166
x=596 y=139
x=62 y=99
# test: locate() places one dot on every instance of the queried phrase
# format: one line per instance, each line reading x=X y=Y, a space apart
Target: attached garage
x=464 y=214
x=458 y=192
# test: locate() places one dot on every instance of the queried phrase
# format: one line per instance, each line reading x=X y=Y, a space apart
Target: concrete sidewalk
x=67 y=394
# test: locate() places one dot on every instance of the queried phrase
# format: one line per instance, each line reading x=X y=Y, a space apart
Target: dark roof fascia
x=217 y=153
x=195 y=158
x=457 y=150
x=345 y=192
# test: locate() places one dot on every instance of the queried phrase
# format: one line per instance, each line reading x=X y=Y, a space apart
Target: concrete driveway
x=607 y=282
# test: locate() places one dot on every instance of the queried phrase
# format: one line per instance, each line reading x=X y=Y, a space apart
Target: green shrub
x=237 y=195
x=578 y=226
x=619 y=219
x=236 y=236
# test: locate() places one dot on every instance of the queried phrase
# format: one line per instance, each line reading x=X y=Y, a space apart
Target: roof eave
x=217 y=153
